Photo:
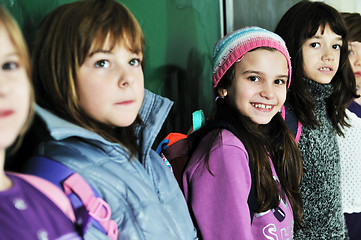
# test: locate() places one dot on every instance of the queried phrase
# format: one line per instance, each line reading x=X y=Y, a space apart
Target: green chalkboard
x=180 y=35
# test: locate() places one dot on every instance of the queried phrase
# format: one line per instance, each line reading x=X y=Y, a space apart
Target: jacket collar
x=153 y=112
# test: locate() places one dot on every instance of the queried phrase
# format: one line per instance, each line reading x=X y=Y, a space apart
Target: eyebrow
x=252 y=71
x=261 y=73
x=320 y=36
x=100 y=51
x=12 y=54
x=283 y=76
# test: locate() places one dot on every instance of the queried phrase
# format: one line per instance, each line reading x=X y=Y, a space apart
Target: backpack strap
x=88 y=207
x=97 y=208
x=198 y=121
x=51 y=191
x=292 y=122
x=177 y=148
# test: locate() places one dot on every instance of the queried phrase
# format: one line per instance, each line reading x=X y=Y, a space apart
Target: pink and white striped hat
x=234 y=45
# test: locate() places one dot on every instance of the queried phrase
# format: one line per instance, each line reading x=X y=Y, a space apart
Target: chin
x=126 y=122
x=262 y=121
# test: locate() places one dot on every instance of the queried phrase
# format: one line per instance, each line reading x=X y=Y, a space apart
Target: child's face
x=321 y=55
x=259 y=86
x=14 y=92
x=355 y=60
x=111 y=85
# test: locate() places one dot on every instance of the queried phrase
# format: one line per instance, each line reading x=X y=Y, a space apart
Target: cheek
x=139 y=88
x=305 y=70
x=24 y=103
x=338 y=56
x=283 y=96
x=358 y=85
x=23 y=90
x=240 y=98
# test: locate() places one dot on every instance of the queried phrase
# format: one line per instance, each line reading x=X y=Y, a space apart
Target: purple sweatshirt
x=26 y=213
x=219 y=201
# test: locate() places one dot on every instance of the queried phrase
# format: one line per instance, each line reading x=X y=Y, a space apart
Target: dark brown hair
x=353 y=23
x=262 y=142
x=298 y=24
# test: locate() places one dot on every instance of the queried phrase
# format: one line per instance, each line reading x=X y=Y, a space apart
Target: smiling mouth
x=325 y=69
x=262 y=106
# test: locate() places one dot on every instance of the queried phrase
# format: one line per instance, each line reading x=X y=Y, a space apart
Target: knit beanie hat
x=235 y=45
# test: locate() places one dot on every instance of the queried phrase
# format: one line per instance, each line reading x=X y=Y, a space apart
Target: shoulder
x=152 y=104
x=224 y=140
x=51 y=191
x=227 y=139
x=82 y=152
x=227 y=152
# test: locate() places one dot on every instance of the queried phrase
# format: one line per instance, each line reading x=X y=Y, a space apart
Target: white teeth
x=325 y=69
x=262 y=106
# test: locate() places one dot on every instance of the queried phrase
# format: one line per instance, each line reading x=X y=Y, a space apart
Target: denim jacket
x=144 y=197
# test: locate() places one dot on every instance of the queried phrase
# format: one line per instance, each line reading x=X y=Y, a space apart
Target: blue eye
x=102 y=64
x=10 y=66
x=135 y=62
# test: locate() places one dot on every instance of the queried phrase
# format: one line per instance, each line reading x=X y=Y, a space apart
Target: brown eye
x=253 y=78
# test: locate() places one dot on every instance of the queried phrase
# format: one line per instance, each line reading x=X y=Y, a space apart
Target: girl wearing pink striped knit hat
x=242 y=181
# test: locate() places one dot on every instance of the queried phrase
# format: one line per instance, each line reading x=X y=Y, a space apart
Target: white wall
x=345 y=5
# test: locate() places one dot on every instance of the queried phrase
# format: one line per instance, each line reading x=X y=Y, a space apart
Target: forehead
x=109 y=42
x=269 y=64
x=327 y=31
x=262 y=57
x=6 y=44
x=355 y=44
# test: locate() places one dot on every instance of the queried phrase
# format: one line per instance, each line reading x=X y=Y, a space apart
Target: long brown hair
x=273 y=140
x=64 y=40
x=298 y=24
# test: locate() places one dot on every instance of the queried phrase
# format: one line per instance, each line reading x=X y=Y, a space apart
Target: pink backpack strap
x=97 y=207
x=299 y=130
x=283 y=112
x=291 y=122
x=52 y=192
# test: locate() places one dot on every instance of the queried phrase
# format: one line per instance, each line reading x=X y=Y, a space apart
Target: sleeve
x=219 y=201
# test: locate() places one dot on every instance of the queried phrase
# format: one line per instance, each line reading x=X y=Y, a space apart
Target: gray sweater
x=320 y=186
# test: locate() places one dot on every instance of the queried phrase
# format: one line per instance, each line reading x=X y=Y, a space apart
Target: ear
x=222 y=92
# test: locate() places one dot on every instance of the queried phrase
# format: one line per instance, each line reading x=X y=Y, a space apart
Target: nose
x=126 y=78
x=357 y=61
x=328 y=55
x=267 y=91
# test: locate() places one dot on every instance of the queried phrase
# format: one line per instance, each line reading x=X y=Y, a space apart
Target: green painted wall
x=180 y=35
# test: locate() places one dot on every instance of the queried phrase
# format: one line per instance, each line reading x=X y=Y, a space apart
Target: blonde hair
x=17 y=39
x=64 y=40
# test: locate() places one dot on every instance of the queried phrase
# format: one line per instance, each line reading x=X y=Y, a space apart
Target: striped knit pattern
x=234 y=45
